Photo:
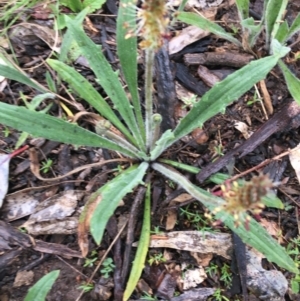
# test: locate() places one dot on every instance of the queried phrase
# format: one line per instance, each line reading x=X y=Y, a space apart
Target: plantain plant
x=275 y=30
x=137 y=136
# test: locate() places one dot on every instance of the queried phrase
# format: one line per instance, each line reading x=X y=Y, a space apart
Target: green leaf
x=205 y=24
x=272 y=201
x=217 y=178
x=161 y=144
x=293 y=83
x=141 y=253
x=278 y=49
x=283 y=32
x=74 y=5
x=251 y=30
x=256 y=236
x=93 y=4
x=14 y=74
x=222 y=94
x=69 y=44
x=111 y=194
x=295 y=26
x=86 y=91
x=108 y=79
x=243 y=8
x=42 y=125
x=273 y=15
x=39 y=291
x=127 y=53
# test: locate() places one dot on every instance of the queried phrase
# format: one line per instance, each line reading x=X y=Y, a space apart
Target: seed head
x=246 y=197
x=152 y=24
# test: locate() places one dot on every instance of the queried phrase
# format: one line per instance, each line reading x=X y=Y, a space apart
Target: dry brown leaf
x=295 y=160
x=84 y=223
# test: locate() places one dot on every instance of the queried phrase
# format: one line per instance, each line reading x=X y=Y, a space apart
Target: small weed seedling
x=86 y=287
x=293 y=249
x=156 y=259
x=46 y=165
x=89 y=262
x=226 y=275
x=148 y=297
x=6 y=132
x=212 y=270
x=156 y=231
x=217 y=296
x=197 y=220
x=108 y=267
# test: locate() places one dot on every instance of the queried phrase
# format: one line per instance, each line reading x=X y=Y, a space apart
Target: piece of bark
x=218 y=59
x=287 y=118
x=10 y=237
x=239 y=250
x=188 y=81
x=166 y=94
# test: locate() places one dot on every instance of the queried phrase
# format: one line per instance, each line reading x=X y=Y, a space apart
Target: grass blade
x=256 y=236
x=142 y=250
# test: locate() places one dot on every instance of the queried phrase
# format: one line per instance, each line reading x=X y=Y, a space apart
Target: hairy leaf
x=14 y=74
x=295 y=26
x=111 y=194
x=108 y=79
x=273 y=15
x=42 y=125
x=86 y=91
x=39 y=291
x=127 y=53
x=224 y=93
x=243 y=8
x=292 y=81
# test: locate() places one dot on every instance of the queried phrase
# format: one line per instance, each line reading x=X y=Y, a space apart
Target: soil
x=198 y=150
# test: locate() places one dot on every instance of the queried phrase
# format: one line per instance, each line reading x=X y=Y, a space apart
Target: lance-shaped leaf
x=274 y=10
x=127 y=53
x=142 y=250
x=39 y=291
x=108 y=79
x=86 y=91
x=14 y=74
x=222 y=94
x=243 y=8
x=42 y=125
x=205 y=24
x=292 y=81
x=110 y=195
x=256 y=236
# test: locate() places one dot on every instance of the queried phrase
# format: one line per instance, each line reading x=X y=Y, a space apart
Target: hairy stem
x=149 y=57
